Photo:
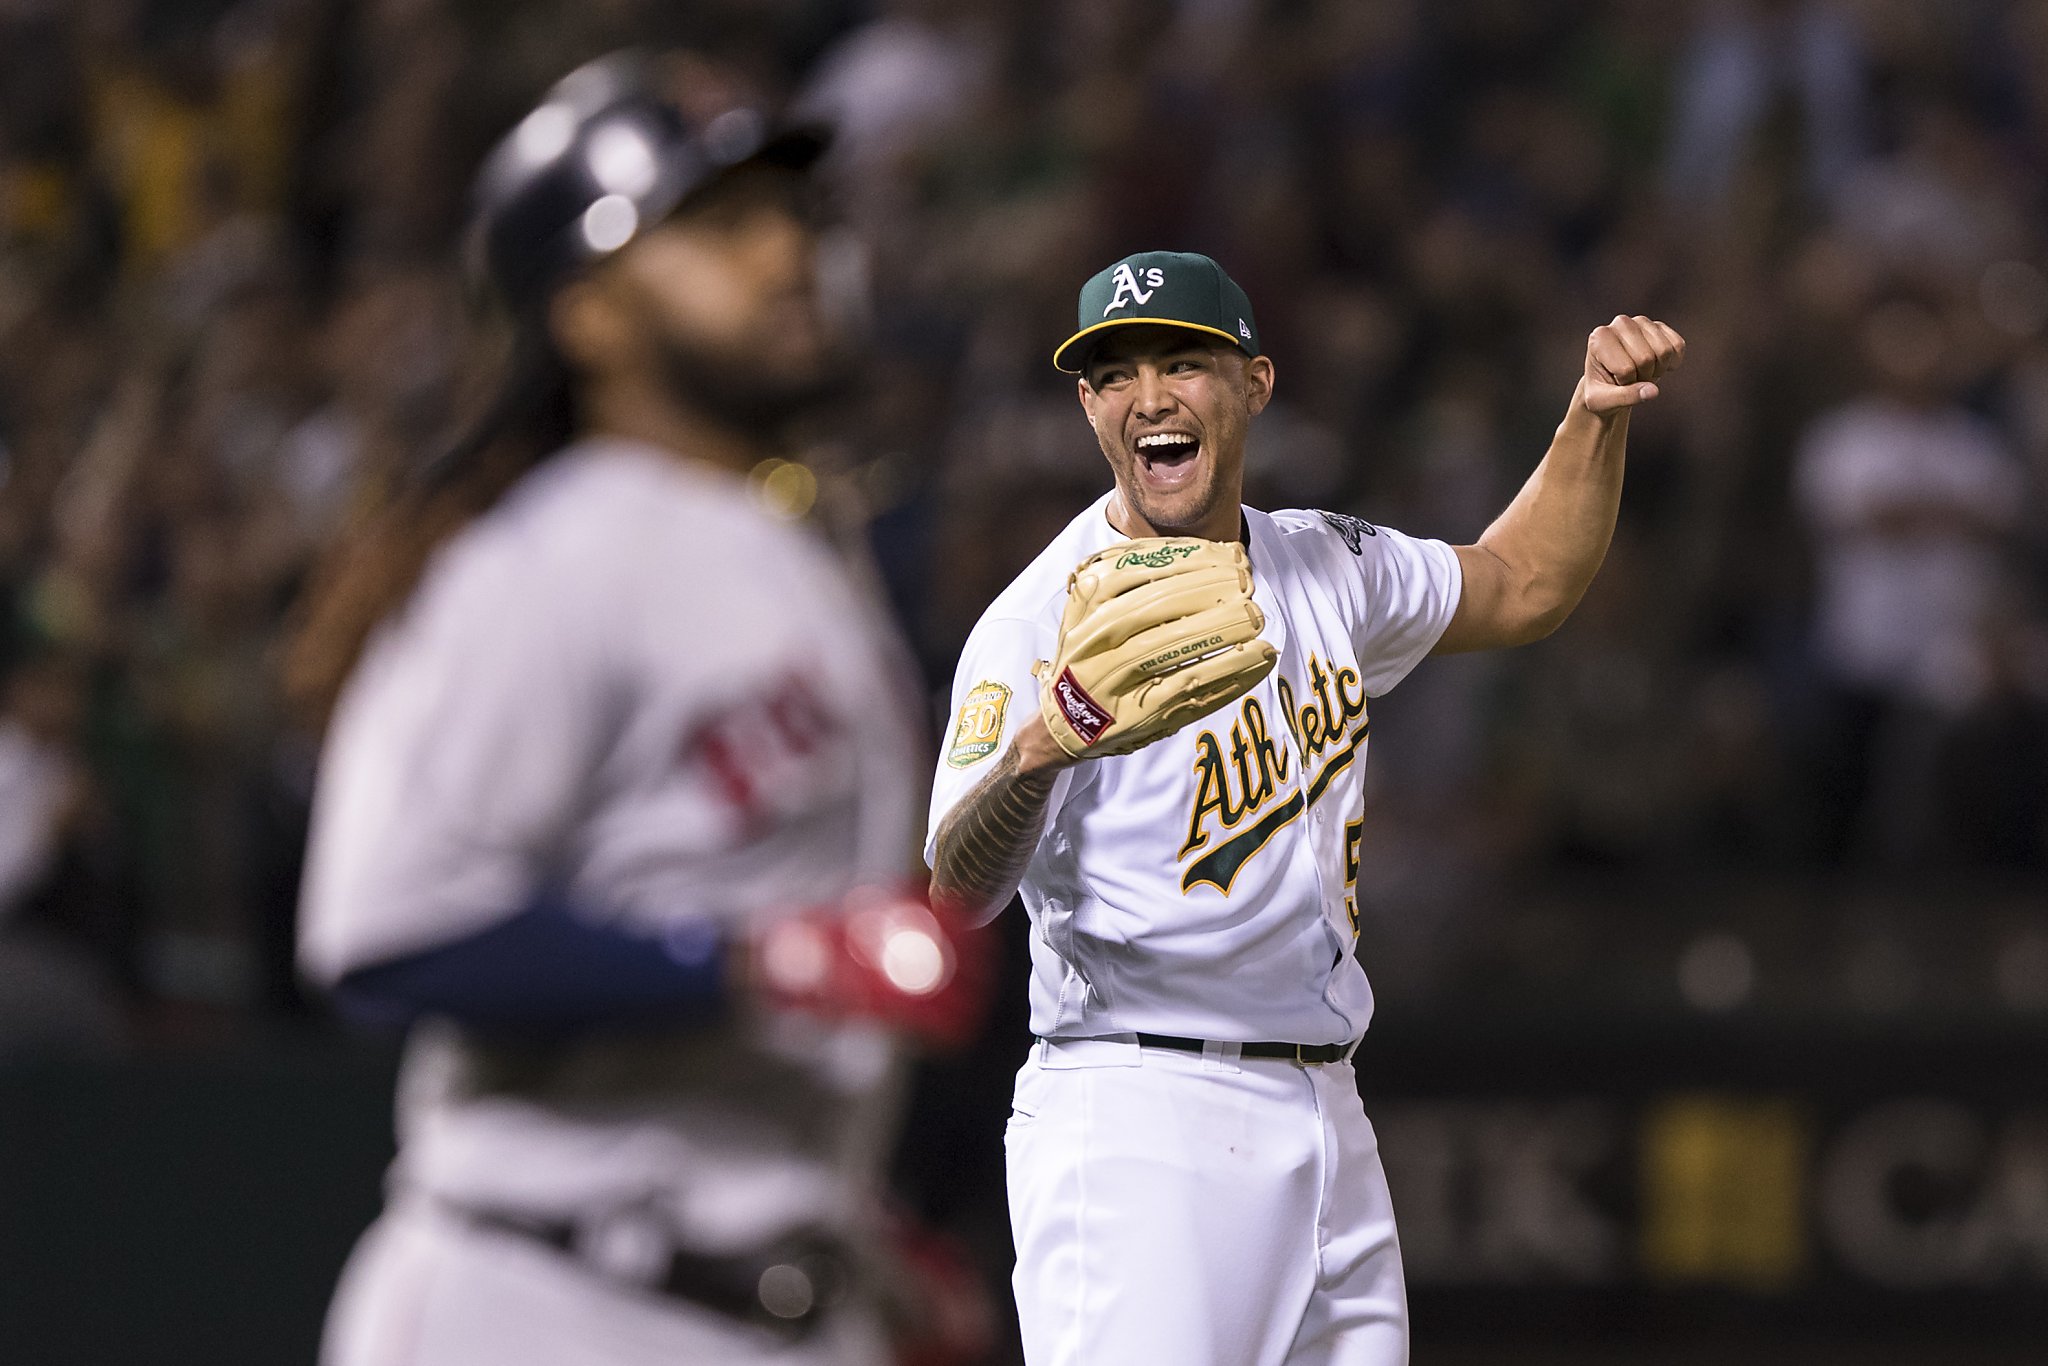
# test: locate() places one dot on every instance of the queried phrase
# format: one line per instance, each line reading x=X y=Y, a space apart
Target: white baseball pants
x=424 y=1288
x=1180 y=1209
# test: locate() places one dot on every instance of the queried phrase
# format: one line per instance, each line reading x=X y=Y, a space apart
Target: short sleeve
x=1399 y=591
x=994 y=692
x=1411 y=591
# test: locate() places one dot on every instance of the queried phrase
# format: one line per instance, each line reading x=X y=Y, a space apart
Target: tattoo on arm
x=987 y=839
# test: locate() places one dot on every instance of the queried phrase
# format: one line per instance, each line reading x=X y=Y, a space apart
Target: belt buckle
x=1299 y=1060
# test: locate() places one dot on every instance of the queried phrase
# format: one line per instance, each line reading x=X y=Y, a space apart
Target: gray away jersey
x=1204 y=885
x=629 y=681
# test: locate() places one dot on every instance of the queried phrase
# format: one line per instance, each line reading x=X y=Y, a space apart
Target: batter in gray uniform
x=616 y=808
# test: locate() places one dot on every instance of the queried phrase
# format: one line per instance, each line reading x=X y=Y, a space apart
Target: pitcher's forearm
x=986 y=841
x=1554 y=535
x=1551 y=540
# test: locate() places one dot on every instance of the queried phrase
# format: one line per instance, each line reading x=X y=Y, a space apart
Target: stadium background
x=1711 y=935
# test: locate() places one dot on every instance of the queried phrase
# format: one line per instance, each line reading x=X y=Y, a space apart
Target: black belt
x=1301 y=1054
x=785 y=1287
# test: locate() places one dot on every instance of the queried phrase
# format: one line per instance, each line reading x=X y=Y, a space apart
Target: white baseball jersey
x=629 y=681
x=1204 y=885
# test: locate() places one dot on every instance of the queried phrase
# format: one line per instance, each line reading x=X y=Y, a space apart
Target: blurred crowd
x=1812 y=679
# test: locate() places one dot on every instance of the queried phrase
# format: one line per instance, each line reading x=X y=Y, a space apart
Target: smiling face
x=1170 y=411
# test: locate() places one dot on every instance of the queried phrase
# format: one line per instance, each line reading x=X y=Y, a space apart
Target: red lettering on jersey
x=770 y=757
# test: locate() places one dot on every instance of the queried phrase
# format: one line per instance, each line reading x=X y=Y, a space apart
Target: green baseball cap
x=1170 y=288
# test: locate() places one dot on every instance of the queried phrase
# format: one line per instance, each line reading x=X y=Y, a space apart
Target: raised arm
x=1530 y=568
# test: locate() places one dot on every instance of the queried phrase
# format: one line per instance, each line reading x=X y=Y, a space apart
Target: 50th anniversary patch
x=980 y=726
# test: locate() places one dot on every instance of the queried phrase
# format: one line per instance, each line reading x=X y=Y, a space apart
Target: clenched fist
x=1621 y=359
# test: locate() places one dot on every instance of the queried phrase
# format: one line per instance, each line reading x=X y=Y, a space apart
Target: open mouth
x=1167 y=459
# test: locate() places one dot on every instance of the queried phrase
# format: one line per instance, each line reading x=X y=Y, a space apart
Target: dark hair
x=375 y=564
x=529 y=232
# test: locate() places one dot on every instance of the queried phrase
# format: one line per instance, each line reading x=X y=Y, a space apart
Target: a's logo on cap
x=1127 y=283
x=1244 y=329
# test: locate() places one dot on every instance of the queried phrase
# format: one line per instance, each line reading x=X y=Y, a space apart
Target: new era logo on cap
x=1163 y=288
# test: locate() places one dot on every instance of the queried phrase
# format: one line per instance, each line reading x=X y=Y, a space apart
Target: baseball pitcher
x=1160 y=739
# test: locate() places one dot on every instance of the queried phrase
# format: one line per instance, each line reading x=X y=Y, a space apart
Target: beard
x=1170 y=514
x=1174 y=515
x=748 y=397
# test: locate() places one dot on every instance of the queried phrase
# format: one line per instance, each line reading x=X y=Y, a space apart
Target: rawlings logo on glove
x=1161 y=557
x=1156 y=633
x=1088 y=719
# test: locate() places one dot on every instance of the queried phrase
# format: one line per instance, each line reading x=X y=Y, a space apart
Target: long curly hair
x=372 y=568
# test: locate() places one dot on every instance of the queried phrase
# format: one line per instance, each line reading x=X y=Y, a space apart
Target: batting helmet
x=603 y=158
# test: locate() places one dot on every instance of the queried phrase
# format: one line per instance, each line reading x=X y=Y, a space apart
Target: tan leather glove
x=1157 y=632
